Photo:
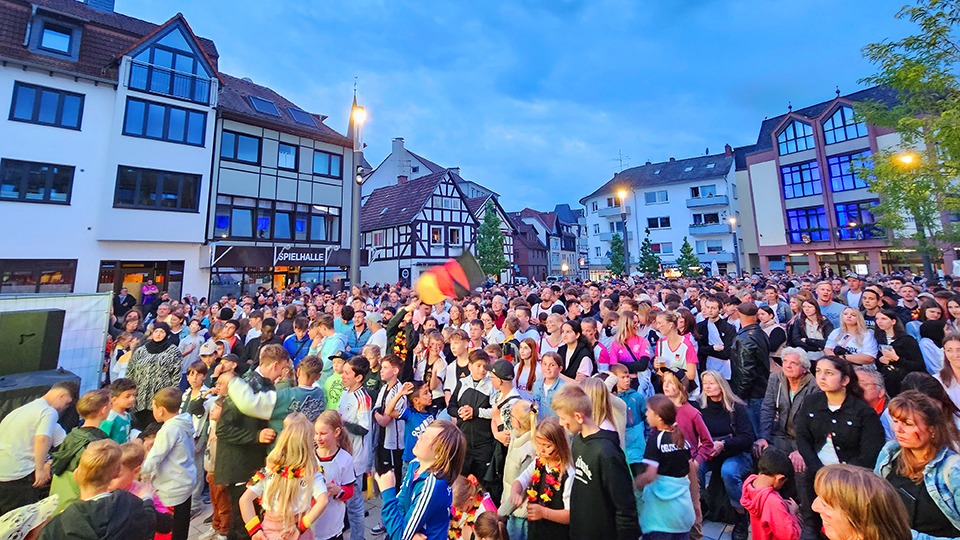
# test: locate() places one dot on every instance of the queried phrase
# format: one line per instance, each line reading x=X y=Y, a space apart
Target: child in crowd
x=101 y=513
x=120 y=357
x=131 y=461
x=605 y=503
x=197 y=401
x=333 y=386
x=477 y=341
x=544 y=389
x=520 y=454
x=170 y=462
x=470 y=408
x=423 y=502
x=219 y=497
x=374 y=380
x=390 y=428
x=290 y=489
x=771 y=516
x=635 y=430
x=459 y=343
x=336 y=465
x=488 y=527
x=123 y=395
x=505 y=394
x=666 y=487
x=469 y=501
x=416 y=418
x=356 y=411
x=93 y=408
x=545 y=485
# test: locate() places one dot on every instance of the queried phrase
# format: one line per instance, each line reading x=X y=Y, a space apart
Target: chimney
x=455 y=170
x=402 y=179
x=397 y=146
x=648 y=163
x=672 y=159
x=727 y=150
x=101 y=5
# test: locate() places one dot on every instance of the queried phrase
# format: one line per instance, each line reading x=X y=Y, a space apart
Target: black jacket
x=750 y=363
x=253 y=349
x=476 y=430
x=118 y=516
x=855 y=428
x=603 y=483
x=797 y=330
x=728 y=333
x=911 y=359
x=733 y=428
x=582 y=351
x=240 y=453
x=120 y=308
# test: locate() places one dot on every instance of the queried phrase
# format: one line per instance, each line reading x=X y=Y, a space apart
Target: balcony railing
x=843 y=234
x=608 y=236
x=721 y=257
x=700 y=229
x=712 y=200
x=172 y=83
x=611 y=211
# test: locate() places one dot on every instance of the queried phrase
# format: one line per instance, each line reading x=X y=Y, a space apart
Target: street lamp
x=736 y=245
x=910 y=161
x=564 y=268
x=622 y=195
x=358 y=116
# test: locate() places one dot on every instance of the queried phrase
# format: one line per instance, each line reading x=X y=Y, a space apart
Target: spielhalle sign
x=299 y=256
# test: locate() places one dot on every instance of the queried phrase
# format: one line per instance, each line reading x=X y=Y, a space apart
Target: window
x=706 y=219
x=555 y=244
x=241 y=217
x=264 y=106
x=415 y=169
x=658 y=222
x=150 y=189
x=687 y=169
x=379 y=238
x=711 y=247
x=595 y=206
x=26 y=181
x=47 y=106
x=665 y=248
x=596 y=229
x=616 y=226
x=56 y=38
x=842 y=126
x=239 y=147
x=30 y=276
x=327 y=164
x=302 y=117
x=842 y=175
x=170 y=67
x=656 y=171
x=808 y=225
x=436 y=235
x=287 y=157
x=801 y=180
x=856 y=221
x=655 y=197
x=703 y=191
x=596 y=251
x=796 y=137
x=150 y=120
x=453 y=236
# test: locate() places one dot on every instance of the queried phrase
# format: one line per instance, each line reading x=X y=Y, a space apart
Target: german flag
x=453 y=279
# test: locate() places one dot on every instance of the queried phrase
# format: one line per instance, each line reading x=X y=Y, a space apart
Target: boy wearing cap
x=505 y=394
x=333 y=387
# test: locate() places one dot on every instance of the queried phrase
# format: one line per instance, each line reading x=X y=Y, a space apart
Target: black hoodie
x=603 y=489
x=120 y=515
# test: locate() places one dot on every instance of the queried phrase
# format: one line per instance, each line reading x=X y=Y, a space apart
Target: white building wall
x=765 y=182
x=399 y=163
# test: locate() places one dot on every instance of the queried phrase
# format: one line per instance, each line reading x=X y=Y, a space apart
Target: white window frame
x=450 y=236
x=436 y=232
x=656 y=197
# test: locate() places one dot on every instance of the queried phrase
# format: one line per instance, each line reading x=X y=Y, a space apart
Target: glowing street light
x=907 y=159
x=564 y=267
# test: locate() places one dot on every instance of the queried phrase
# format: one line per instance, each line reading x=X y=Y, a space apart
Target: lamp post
x=622 y=195
x=358 y=115
x=736 y=245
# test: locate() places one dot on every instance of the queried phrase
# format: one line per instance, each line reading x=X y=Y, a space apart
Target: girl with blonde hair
x=546 y=484
x=336 y=464
x=851 y=341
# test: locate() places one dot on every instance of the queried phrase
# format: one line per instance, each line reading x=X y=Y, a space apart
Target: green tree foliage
x=688 y=260
x=490 y=243
x=616 y=266
x=649 y=262
x=918 y=182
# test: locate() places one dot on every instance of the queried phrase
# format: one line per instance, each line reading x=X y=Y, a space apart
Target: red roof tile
x=398 y=204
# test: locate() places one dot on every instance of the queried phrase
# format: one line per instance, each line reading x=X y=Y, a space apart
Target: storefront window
x=28 y=276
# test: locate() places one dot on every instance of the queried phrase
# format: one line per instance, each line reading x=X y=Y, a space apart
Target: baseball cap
x=341 y=355
x=503 y=369
x=208 y=348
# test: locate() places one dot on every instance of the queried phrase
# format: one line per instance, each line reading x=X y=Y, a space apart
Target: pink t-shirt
x=637 y=345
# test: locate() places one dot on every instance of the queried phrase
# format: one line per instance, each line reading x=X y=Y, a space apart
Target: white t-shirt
x=379 y=338
x=393 y=432
x=339 y=470
x=300 y=504
x=355 y=409
x=19 y=429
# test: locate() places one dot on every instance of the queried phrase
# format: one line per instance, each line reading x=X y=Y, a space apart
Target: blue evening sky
x=535 y=99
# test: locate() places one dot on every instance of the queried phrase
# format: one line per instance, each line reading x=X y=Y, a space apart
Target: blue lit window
x=801 y=180
x=842 y=126
x=796 y=137
x=856 y=221
x=808 y=225
x=264 y=106
x=842 y=175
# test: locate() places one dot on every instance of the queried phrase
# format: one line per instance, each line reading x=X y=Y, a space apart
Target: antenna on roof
x=621 y=158
x=789 y=106
x=838 y=90
x=355 y=78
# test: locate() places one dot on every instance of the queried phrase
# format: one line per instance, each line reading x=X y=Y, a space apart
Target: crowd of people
x=788 y=406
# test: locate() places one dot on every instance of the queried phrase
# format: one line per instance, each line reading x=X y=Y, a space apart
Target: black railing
x=169 y=82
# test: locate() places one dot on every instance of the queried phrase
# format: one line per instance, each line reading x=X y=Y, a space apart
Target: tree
x=616 y=266
x=918 y=183
x=688 y=260
x=490 y=243
x=649 y=262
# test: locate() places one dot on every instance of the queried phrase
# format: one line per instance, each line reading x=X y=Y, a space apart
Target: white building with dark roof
x=695 y=198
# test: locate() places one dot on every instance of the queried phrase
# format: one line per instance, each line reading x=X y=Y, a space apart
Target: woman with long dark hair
x=528 y=365
x=576 y=353
x=899 y=351
x=810 y=330
x=949 y=376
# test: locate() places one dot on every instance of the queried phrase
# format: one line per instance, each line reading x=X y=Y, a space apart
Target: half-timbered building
x=415 y=224
x=478 y=207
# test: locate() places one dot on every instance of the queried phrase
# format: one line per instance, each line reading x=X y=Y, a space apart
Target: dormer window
x=55 y=36
x=302 y=117
x=843 y=126
x=172 y=67
x=796 y=137
x=264 y=106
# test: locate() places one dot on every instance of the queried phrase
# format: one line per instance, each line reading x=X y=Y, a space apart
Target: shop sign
x=299 y=256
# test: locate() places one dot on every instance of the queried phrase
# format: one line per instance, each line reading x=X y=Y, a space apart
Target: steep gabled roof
x=882 y=94
x=567 y=214
x=178 y=18
x=106 y=35
x=476 y=204
x=235 y=104
x=667 y=172
x=548 y=219
x=528 y=238
x=398 y=204
x=433 y=167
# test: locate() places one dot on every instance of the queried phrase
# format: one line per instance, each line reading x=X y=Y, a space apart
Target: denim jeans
x=733 y=471
x=355 y=511
x=753 y=411
x=516 y=528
